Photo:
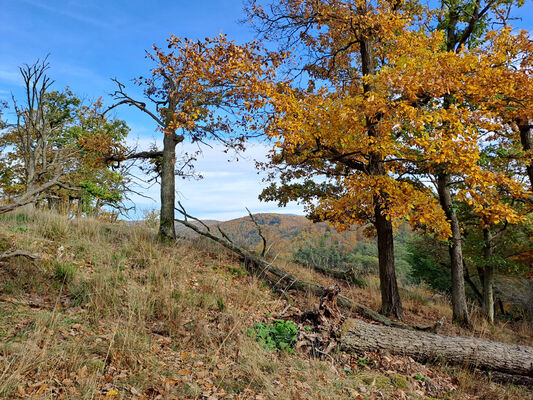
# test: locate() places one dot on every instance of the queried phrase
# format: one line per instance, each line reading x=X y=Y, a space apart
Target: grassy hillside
x=110 y=313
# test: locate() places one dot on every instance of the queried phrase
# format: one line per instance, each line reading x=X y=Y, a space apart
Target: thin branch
x=19 y=253
x=224 y=234
x=123 y=98
x=182 y=211
x=259 y=231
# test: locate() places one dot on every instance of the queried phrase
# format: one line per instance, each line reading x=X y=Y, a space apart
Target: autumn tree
x=57 y=147
x=32 y=162
x=335 y=129
x=465 y=25
x=376 y=121
x=98 y=184
x=197 y=91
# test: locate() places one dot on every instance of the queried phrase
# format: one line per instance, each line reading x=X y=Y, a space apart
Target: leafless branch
x=259 y=231
x=182 y=211
x=19 y=253
x=123 y=98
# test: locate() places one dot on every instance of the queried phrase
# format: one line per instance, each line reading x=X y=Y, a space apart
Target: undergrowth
x=109 y=312
x=279 y=334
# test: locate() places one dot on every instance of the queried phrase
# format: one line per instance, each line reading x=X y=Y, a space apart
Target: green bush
x=279 y=335
x=18 y=229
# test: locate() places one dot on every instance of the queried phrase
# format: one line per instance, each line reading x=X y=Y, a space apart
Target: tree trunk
x=391 y=304
x=468 y=279
x=359 y=337
x=488 y=277
x=527 y=146
x=167 y=230
x=459 y=307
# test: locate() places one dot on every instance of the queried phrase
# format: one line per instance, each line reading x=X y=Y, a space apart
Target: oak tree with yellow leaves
x=387 y=110
x=198 y=91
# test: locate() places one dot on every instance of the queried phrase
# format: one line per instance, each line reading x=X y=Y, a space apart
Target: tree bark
x=459 y=306
x=391 y=304
x=488 y=277
x=167 y=229
x=359 y=337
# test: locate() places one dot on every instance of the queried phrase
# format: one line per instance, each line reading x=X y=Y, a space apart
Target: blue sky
x=90 y=42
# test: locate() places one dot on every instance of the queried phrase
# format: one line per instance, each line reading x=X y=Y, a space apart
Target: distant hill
x=284 y=232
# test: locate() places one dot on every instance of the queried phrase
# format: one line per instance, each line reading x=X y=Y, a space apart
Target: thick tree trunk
x=459 y=307
x=362 y=337
x=488 y=278
x=391 y=304
x=168 y=188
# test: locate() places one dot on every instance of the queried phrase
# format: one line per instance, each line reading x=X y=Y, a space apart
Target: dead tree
x=44 y=160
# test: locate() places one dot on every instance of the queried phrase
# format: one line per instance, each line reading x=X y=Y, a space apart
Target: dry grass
x=111 y=313
x=422 y=307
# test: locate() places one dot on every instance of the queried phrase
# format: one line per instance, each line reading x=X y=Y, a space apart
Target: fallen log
x=18 y=253
x=359 y=337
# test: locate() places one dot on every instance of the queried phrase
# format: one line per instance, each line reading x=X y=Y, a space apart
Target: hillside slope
x=284 y=233
x=108 y=312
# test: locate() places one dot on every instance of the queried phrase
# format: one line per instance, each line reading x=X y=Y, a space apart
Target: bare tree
x=44 y=160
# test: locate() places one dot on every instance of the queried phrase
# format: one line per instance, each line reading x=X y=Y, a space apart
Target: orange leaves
x=420 y=111
x=210 y=87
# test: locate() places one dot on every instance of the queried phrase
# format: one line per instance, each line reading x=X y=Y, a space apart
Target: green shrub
x=18 y=229
x=279 y=335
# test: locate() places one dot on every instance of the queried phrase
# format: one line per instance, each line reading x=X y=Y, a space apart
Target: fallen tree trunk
x=359 y=336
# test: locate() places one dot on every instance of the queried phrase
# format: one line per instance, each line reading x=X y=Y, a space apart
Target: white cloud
x=226 y=190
